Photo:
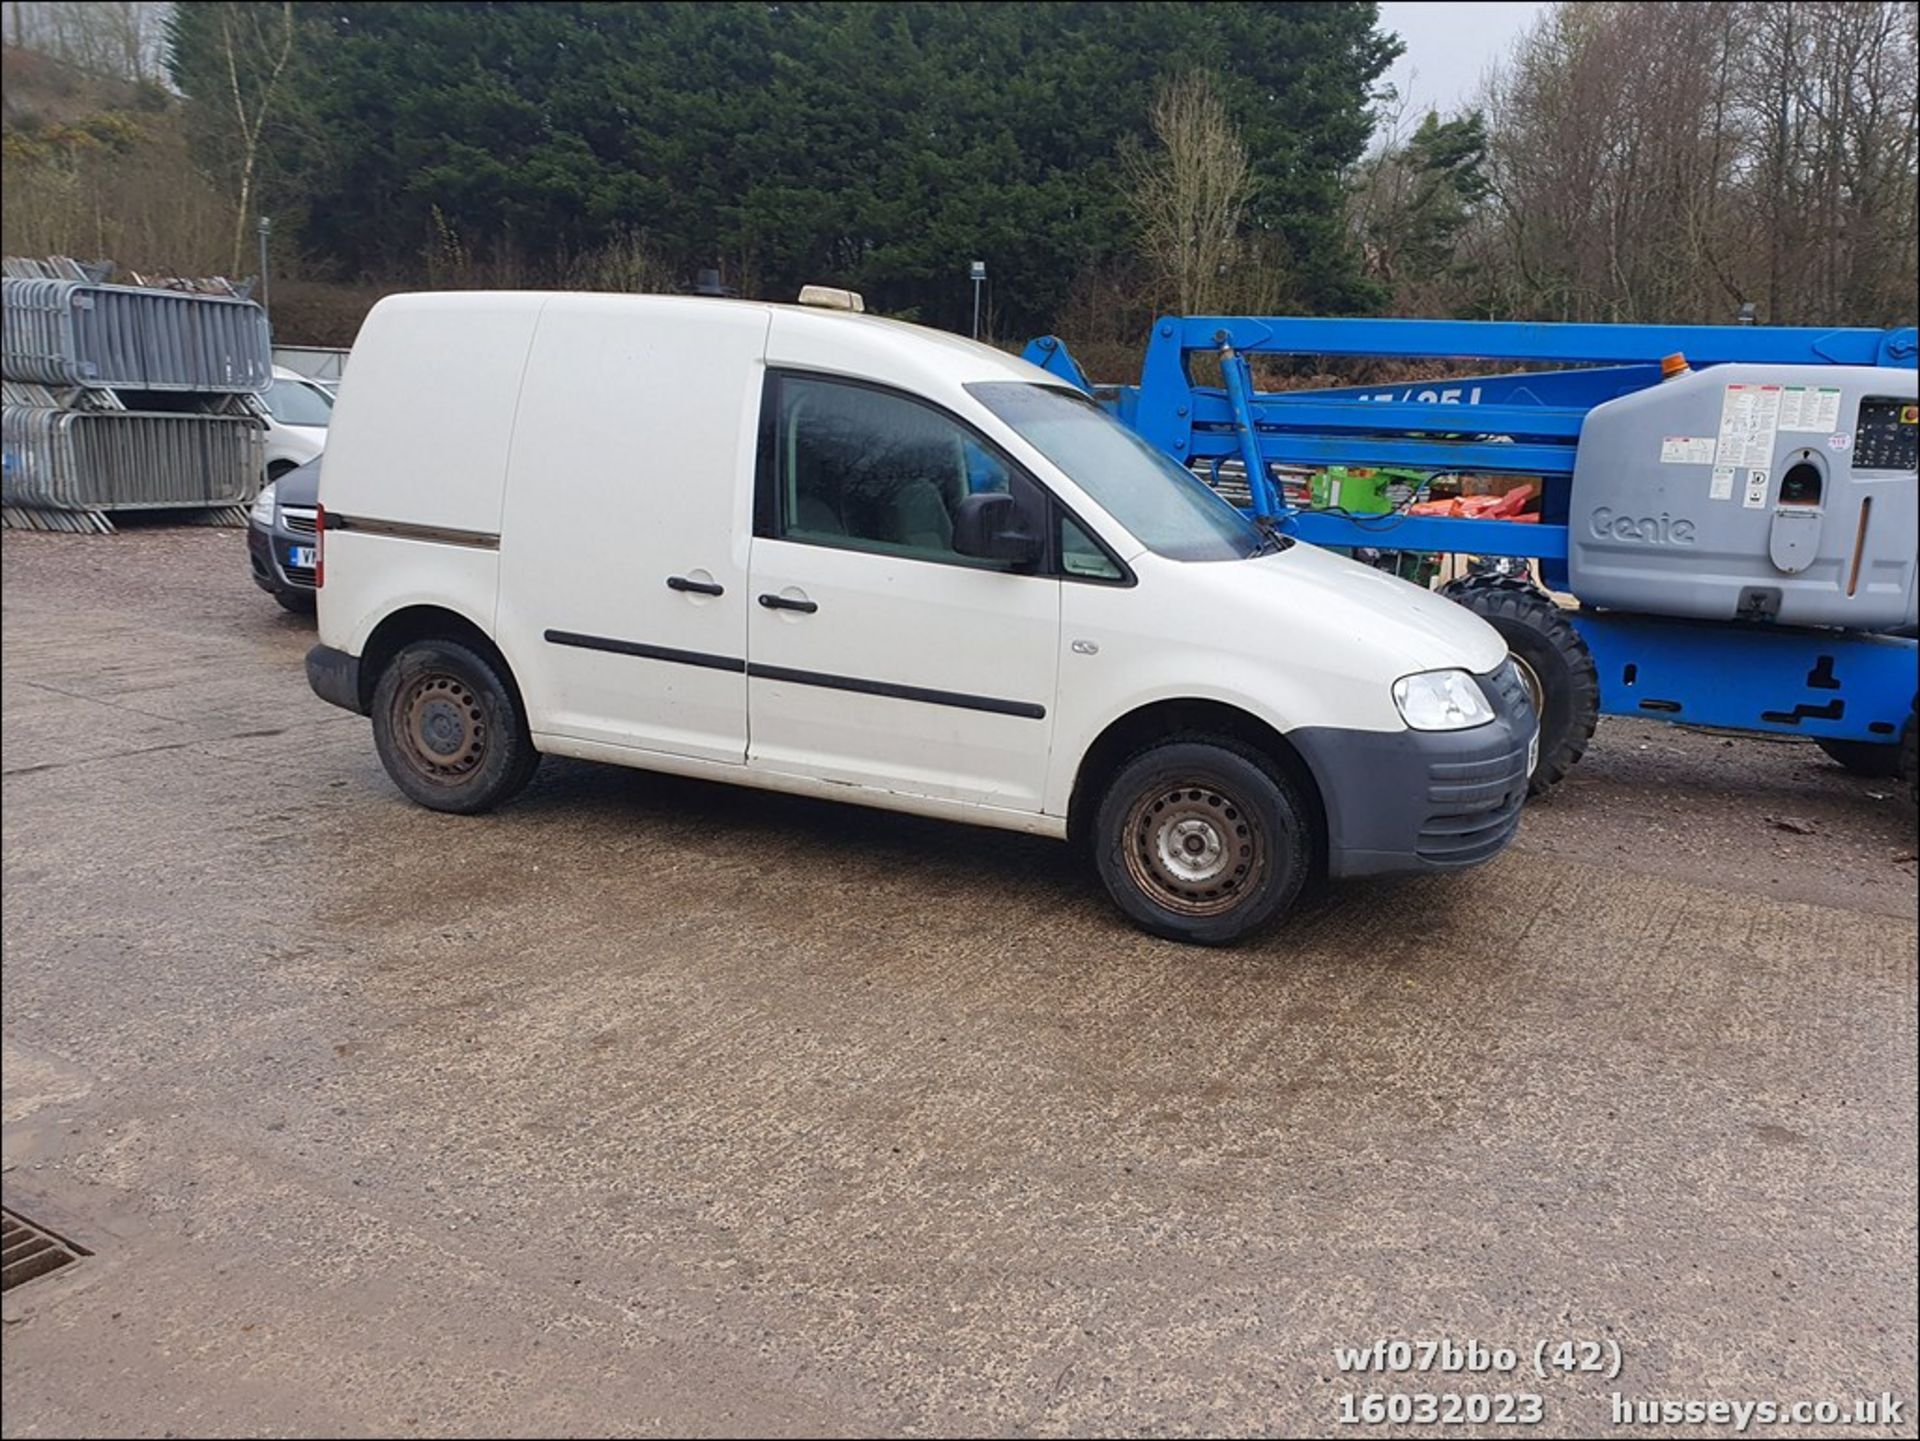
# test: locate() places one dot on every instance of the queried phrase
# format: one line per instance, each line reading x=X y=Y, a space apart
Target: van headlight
x=262 y=512
x=1441 y=700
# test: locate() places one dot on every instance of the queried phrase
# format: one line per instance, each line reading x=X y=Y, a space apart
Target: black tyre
x=1910 y=755
x=1201 y=839
x=449 y=730
x=280 y=468
x=1866 y=758
x=1554 y=662
x=300 y=602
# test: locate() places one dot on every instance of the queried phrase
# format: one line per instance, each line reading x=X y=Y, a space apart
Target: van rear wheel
x=449 y=730
x=1201 y=840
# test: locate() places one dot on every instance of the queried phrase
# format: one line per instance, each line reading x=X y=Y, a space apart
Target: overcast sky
x=1450 y=45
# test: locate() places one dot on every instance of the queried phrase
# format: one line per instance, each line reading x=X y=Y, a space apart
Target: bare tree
x=254 y=52
x=1831 y=92
x=1674 y=160
x=1608 y=156
x=1190 y=191
x=120 y=38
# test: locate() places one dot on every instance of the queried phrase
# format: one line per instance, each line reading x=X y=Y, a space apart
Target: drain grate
x=27 y=1250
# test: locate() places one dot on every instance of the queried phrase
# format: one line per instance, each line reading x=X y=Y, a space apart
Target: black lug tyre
x=1910 y=755
x=449 y=730
x=1872 y=759
x=300 y=602
x=1201 y=839
x=1554 y=662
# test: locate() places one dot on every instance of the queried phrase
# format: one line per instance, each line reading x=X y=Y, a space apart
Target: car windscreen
x=1163 y=506
x=294 y=402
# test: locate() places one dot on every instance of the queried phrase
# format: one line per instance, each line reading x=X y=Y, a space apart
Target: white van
x=819 y=552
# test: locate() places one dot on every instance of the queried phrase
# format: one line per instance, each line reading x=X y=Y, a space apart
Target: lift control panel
x=1888 y=437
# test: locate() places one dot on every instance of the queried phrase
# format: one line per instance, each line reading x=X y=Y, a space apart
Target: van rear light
x=319 y=546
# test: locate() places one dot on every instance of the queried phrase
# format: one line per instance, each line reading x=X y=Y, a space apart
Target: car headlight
x=1441 y=700
x=262 y=512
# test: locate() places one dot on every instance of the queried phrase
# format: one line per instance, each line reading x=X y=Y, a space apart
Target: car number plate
x=301 y=555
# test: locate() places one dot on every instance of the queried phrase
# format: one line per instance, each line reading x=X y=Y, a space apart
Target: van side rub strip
x=646 y=652
x=407 y=530
x=1026 y=710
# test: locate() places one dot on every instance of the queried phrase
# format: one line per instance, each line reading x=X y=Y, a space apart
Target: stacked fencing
x=115 y=337
x=122 y=398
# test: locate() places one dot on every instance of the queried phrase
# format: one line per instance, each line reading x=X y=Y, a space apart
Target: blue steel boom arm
x=1523 y=423
x=1829 y=685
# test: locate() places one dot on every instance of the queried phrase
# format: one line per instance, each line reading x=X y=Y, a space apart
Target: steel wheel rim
x=1193 y=848
x=441 y=726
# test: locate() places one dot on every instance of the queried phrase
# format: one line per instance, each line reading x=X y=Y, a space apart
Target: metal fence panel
x=106 y=460
x=70 y=332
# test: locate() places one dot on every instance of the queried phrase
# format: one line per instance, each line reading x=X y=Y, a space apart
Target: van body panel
x=924 y=362
x=1356 y=610
x=1030 y=823
x=632 y=468
x=428 y=425
x=1299 y=638
x=429 y=417
x=392 y=575
x=952 y=671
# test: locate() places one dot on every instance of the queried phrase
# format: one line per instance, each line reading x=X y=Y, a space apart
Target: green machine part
x=1363 y=490
x=1360 y=489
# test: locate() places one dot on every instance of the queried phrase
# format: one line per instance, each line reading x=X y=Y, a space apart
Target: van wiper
x=1272 y=538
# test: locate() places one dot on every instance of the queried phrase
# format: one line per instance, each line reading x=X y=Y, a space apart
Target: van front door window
x=866 y=470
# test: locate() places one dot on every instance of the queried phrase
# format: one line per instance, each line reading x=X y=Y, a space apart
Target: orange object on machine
x=1511 y=506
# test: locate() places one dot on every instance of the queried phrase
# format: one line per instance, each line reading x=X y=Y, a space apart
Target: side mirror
x=991 y=526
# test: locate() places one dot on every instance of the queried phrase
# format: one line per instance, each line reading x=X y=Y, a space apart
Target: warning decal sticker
x=1749 y=418
x=1756 y=496
x=1722 y=488
x=1810 y=407
x=1686 y=450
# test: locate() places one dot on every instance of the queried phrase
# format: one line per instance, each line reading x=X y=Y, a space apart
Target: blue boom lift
x=1737 y=525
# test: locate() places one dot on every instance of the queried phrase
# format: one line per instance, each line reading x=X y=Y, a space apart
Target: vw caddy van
x=815 y=551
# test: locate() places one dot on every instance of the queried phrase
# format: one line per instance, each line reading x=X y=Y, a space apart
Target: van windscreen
x=1165 y=507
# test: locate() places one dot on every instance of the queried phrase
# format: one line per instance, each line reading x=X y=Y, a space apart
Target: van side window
x=866 y=470
x=1081 y=555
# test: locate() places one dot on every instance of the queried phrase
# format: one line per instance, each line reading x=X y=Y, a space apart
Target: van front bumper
x=335 y=677
x=1408 y=800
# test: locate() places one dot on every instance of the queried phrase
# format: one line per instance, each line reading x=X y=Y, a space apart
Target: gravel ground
x=650 y=1106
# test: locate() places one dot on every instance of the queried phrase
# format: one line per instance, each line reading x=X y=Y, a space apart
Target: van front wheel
x=1201 y=840
x=449 y=730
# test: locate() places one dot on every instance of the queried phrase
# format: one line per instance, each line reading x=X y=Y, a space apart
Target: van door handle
x=780 y=602
x=694 y=587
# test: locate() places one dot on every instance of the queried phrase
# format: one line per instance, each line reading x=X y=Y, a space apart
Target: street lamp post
x=266 y=280
x=978 y=273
